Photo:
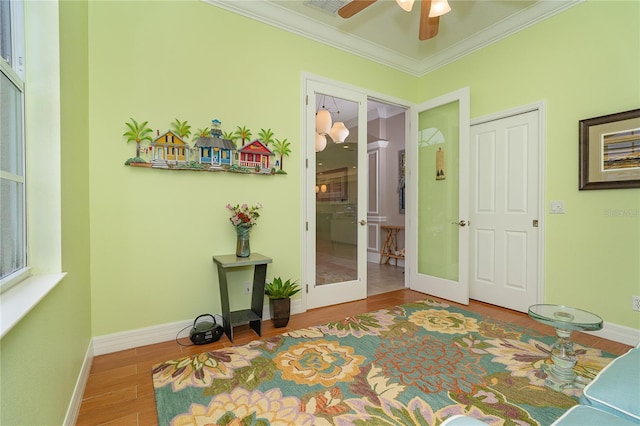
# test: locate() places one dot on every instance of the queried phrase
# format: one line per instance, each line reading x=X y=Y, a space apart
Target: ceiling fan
x=430 y=12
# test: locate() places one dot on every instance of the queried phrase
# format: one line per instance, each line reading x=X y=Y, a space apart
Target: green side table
x=254 y=315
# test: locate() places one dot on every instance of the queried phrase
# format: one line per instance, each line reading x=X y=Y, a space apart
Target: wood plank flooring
x=119 y=391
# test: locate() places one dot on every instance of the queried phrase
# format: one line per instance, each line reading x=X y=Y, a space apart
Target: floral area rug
x=417 y=363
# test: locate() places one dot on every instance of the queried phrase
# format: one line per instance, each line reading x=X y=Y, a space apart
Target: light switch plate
x=556 y=207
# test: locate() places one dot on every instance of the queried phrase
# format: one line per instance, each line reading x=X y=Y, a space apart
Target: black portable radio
x=205 y=331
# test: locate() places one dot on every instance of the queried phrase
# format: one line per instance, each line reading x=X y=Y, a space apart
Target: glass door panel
x=336 y=240
x=438 y=191
x=336 y=213
x=437 y=159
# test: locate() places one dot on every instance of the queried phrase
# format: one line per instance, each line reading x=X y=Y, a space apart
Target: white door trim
x=450 y=289
x=307 y=155
x=539 y=106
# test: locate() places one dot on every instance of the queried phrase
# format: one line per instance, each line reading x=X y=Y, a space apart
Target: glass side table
x=565 y=320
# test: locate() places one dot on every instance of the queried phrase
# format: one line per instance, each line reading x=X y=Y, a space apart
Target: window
x=13 y=263
x=37 y=22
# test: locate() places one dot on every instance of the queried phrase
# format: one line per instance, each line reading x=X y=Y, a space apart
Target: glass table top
x=565 y=317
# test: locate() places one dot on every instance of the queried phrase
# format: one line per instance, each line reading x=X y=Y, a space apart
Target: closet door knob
x=461 y=223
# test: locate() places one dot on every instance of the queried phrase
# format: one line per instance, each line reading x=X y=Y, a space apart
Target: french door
x=438 y=200
x=335 y=195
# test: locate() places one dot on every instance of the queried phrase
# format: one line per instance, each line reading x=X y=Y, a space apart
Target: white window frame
x=12 y=68
x=42 y=135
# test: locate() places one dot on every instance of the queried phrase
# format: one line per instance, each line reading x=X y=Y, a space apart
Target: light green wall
x=583 y=63
x=42 y=356
x=153 y=232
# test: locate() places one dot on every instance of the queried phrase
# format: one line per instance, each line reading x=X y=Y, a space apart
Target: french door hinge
x=307 y=226
x=307 y=285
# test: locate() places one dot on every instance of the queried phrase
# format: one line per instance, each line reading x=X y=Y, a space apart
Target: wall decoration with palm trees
x=212 y=149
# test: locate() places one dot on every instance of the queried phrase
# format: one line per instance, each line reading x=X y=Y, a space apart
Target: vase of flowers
x=243 y=218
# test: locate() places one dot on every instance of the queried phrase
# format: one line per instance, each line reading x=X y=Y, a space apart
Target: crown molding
x=279 y=17
x=536 y=13
x=272 y=14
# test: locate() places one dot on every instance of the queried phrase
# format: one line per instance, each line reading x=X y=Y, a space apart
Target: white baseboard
x=618 y=333
x=161 y=333
x=71 y=417
x=140 y=337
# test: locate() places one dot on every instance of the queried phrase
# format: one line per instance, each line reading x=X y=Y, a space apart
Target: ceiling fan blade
x=428 y=26
x=350 y=9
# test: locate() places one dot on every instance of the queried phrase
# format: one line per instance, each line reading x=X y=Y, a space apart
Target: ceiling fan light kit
x=439 y=8
x=430 y=12
x=406 y=5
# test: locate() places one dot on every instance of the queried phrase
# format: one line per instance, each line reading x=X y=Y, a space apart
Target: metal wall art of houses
x=211 y=152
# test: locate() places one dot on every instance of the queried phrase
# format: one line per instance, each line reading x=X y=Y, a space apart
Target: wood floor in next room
x=119 y=391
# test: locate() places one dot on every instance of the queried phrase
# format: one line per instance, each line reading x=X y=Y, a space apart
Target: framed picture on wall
x=332 y=186
x=401 y=178
x=610 y=151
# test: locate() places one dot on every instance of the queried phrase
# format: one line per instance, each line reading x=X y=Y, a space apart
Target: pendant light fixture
x=338 y=132
x=321 y=142
x=323 y=121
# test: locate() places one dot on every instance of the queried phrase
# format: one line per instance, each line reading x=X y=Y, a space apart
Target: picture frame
x=332 y=186
x=402 y=162
x=609 y=150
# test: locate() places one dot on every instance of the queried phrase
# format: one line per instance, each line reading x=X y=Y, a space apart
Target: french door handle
x=461 y=223
x=363 y=222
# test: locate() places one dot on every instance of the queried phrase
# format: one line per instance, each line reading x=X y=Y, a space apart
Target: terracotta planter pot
x=280 y=312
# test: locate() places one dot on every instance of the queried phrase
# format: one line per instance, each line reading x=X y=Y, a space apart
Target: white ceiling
x=384 y=33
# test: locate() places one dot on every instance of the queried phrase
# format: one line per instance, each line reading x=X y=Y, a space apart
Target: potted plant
x=279 y=294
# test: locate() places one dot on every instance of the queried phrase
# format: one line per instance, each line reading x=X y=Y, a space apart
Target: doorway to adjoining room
x=336 y=214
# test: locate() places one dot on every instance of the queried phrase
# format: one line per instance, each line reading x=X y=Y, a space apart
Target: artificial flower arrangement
x=244 y=215
x=243 y=218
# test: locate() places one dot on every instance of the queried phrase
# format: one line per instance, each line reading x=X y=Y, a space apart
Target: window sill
x=16 y=302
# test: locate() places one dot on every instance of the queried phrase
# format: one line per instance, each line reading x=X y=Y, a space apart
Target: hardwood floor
x=120 y=392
